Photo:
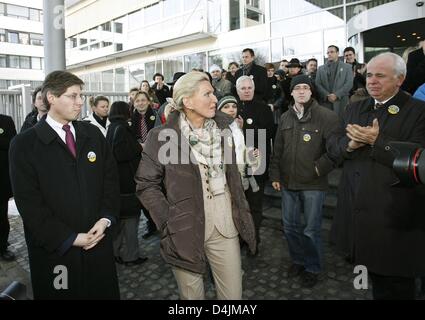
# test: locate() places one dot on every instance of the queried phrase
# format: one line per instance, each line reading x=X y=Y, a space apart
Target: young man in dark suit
x=257 y=73
x=7 y=132
x=66 y=189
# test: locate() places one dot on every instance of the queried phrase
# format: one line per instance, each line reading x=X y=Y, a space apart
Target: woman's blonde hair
x=186 y=86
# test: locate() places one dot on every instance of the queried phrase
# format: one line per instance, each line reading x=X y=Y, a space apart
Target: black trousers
x=4 y=225
x=392 y=288
x=255 y=201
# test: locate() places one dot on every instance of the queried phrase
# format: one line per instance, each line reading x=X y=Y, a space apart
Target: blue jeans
x=304 y=237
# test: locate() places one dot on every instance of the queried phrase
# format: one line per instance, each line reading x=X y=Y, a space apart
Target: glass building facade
x=291 y=28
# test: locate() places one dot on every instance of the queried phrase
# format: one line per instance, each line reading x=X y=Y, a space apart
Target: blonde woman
x=198 y=205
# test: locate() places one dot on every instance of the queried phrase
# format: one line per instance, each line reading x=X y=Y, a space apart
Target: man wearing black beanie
x=299 y=169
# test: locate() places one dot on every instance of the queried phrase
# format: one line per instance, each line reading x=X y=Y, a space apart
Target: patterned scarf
x=206 y=146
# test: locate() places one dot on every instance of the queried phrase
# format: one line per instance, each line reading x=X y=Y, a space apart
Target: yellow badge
x=230 y=141
x=152 y=118
x=91 y=156
x=249 y=121
x=393 y=109
x=1 y=131
x=307 y=137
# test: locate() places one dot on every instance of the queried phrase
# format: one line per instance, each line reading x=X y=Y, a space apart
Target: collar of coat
x=399 y=100
x=308 y=107
x=47 y=135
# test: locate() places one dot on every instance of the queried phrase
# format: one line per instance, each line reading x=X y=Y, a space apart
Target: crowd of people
x=195 y=157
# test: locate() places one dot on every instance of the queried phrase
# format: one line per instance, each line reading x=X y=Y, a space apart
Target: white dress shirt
x=57 y=126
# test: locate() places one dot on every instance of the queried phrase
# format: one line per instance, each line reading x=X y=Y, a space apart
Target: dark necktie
x=143 y=128
x=69 y=140
x=378 y=105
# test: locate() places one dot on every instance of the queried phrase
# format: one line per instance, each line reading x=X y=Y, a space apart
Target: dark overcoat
x=59 y=196
x=7 y=132
x=379 y=222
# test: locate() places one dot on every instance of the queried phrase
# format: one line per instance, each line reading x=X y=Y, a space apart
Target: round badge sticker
x=91 y=156
x=1 y=131
x=249 y=121
x=152 y=118
x=307 y=137
x=393 y=109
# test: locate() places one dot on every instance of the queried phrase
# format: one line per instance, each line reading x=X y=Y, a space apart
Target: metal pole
x=54 y=35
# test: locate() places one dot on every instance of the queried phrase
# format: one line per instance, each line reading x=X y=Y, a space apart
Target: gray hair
x=186 y=86
x=242 y=79
x=399 y=66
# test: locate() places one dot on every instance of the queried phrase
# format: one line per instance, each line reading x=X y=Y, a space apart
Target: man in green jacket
x=299 y=169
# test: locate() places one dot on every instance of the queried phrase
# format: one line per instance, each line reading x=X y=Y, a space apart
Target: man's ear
x=50 y=97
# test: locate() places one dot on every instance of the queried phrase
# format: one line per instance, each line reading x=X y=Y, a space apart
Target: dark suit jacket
x=59 y=196
x=415 y=71
x=259 y=75
x=7 y=132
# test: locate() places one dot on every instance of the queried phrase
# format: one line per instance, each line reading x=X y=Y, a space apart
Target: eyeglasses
x=73 y=97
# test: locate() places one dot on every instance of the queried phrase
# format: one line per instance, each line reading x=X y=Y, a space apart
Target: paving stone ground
x=265 y=276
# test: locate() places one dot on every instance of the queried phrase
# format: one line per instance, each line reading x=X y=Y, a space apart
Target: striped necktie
x=143 y=128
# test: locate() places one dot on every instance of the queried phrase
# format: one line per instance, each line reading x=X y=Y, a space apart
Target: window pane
x=234 y=15
x=83 y=41
x=108 y=80
x=197 y=61
x=137 y=74
x=119 y=80
x=94 y=46
x=95 y=81
x=13 y=61
x=34 y=14
x=171 y=66
x=118 y=27
x=2 y=35
x=12 y=37
x=2 y=6
x=106 y=26
x=37 y=40
x=24 y=38
x=151 y=68
x=72 y=42
x=36 y=63
x=303 y=44
x=2 y=61
x=25 y=62
x=17 y=11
